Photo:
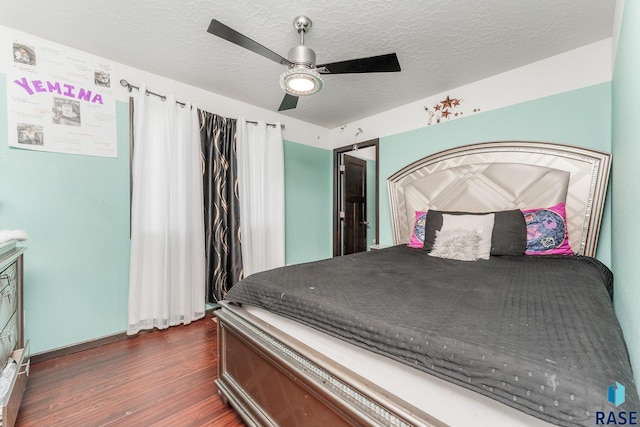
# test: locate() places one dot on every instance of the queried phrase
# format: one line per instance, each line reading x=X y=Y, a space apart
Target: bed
x=400 y=337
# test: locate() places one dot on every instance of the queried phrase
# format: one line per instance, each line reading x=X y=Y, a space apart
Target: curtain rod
x=129 y=86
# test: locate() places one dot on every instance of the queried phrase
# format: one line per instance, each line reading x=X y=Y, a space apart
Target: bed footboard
x=271 y=379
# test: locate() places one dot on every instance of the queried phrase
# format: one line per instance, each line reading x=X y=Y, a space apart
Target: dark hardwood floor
x=159 y=378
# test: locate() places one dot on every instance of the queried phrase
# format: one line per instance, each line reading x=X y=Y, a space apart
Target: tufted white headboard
x=506 y=175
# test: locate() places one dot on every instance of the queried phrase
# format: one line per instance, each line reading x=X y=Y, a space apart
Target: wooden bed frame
x=272 y=379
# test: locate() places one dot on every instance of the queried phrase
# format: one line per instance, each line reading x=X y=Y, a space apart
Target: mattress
x=536 y=333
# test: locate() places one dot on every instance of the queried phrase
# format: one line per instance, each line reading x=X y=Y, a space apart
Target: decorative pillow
x=509 y=235
x=459 y=244
x=547 y=232
x=480 y=224
x=417 y=236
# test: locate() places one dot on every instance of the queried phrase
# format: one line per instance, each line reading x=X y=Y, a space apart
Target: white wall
x=582 y=67
x=295 y=130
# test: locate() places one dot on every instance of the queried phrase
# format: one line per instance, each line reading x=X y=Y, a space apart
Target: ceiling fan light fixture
x=302 y=76
x=301 y=81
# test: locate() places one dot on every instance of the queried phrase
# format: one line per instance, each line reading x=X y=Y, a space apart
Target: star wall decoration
x=445 y=109
x=447 y=103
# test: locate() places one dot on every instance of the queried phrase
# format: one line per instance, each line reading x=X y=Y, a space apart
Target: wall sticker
x=58 y=99
x=448 y=108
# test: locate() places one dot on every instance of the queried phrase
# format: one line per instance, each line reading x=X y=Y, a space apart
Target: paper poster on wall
x=59 y=99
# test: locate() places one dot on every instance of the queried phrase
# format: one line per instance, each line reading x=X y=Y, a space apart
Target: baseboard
x=74 y=348
x=86 y=345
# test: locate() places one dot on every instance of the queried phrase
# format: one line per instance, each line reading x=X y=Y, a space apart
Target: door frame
x=337 y=191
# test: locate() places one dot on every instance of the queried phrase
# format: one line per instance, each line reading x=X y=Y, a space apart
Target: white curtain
x=167 y=265
x=261 y=190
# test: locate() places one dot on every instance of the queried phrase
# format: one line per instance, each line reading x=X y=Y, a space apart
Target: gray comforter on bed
x=536 y=333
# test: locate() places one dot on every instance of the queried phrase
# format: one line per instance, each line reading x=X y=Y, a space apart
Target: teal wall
x=76 y=212
x=581 y=117
x=626 y=180
x=309 y=202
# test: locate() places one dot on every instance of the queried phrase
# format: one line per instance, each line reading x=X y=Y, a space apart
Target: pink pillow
x=417 y=236
x=547 y=232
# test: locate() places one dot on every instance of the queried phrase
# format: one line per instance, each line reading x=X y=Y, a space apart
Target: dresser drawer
x=11 y=403
x=7 y=275
x=8 y=298
x=12 y=333
x=8 y=340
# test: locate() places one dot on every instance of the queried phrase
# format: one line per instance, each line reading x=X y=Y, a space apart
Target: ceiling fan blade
x=373 y=64
x=289 y=102
x=217 y=28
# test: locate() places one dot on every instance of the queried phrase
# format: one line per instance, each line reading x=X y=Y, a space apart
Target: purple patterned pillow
x=417 y=235
x=547 y=232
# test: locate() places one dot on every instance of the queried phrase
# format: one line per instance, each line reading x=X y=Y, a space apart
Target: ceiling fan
x=302 y=76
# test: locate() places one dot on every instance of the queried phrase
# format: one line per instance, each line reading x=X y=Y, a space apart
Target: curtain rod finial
x=126 y=84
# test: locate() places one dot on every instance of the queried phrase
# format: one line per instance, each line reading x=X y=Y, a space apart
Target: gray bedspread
x=536 y=333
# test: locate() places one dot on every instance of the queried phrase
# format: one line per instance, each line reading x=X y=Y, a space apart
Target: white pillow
x=457 y=244
x=481 y=224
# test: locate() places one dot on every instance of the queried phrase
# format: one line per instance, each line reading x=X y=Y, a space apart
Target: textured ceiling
x=441 y=44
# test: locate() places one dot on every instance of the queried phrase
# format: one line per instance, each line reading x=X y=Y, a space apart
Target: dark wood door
x=354 y=234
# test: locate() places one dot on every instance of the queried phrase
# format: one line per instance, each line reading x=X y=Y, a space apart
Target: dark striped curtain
x=221 y=204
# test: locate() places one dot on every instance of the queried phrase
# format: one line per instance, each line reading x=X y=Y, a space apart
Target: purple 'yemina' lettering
x=84 y=94
x=69 y=91
x=37 y=85
x=54 y=87
x=24 y=84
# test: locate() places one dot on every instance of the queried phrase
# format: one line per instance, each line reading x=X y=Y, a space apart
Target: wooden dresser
x=14 y=354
